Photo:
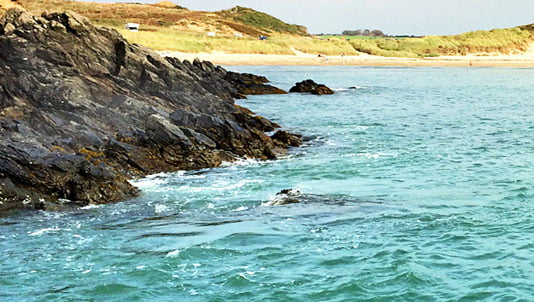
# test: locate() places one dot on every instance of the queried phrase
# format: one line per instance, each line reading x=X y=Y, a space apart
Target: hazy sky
x=417 y=17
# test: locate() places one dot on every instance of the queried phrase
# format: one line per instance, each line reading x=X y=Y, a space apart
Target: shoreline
x=525 y=60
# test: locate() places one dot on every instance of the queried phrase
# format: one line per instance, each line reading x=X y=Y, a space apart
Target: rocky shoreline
x=82 y=111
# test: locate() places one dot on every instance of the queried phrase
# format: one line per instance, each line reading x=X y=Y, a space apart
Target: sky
x=394 y=17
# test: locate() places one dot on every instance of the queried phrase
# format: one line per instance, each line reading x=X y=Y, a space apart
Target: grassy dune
x=505 y=41
x=166 y=26
x=169 y=39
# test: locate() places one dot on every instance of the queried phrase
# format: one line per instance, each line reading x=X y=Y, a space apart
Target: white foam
x=173 y=254
x=218 y=186
x=148 y=182
x=239 y=162
x=160 y=208
x=92 y=206
x=240 y=209
x=47 y=230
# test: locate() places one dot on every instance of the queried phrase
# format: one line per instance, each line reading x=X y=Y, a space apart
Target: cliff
x=82 y=111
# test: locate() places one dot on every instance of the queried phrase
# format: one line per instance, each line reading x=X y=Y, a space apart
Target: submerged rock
x=82 y=111
x=286 y=196
x=309 y=86
x=293 y=196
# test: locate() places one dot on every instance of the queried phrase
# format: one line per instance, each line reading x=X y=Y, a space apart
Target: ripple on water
x=418 y=187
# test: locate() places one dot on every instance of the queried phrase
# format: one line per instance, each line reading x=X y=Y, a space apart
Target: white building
x=132 y=27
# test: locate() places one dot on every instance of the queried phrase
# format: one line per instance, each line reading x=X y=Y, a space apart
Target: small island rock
x=309 y=86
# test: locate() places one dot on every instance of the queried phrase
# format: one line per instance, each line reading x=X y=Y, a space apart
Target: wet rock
x=286 y=196
x=285 y=138
x=309 y=86
x=82 y=111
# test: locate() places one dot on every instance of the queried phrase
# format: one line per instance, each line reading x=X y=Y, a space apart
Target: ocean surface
x=419 y=185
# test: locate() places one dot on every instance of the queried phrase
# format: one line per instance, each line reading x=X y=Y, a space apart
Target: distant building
x=211 y=34
x=132 y=27
x=238 y=35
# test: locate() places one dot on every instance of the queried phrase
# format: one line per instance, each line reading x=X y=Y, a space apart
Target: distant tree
x=357 y=32
x=366 y=32
x=377 y=33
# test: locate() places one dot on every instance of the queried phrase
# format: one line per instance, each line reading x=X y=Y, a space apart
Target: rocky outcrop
x=82 y=111
x=230 y=84
x=309 y=86
x=250 y=84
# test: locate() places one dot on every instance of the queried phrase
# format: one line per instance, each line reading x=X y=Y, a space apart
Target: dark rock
x=82 y=111
x=247 y=83
x=309 y=86
x=285 y=138
x=225 y=83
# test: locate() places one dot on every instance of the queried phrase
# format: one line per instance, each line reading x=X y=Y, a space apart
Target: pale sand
x=525 y=59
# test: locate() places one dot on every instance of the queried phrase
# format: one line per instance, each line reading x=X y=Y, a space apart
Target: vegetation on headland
x=166 y=26
x=262 y=20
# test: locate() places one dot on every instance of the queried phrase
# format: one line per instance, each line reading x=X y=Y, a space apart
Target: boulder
x=309 y=86
x=82 y=111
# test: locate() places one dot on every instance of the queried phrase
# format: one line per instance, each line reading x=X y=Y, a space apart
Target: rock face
x=82 y=111
x=309 y=86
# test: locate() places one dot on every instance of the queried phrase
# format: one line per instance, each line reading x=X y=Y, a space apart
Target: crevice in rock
x=120 y=56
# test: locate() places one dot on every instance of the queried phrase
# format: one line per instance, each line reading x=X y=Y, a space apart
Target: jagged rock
x=247 y=83
x=309 y=86
x=82 y=111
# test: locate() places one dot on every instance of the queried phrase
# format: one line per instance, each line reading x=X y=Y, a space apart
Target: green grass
x=168 y=39
x=262 y=21
x=496 y=40
x=310 y=45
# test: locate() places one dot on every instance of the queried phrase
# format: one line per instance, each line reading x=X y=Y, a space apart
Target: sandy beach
x=525 y=59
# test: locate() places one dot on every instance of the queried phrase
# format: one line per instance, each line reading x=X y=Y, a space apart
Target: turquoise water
x=421 y=186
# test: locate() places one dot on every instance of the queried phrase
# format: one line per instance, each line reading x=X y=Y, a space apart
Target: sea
x=419 y=186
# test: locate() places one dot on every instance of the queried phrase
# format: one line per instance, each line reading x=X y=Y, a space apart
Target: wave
x=239 y=162
x=350 y=88
x=47 y=230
